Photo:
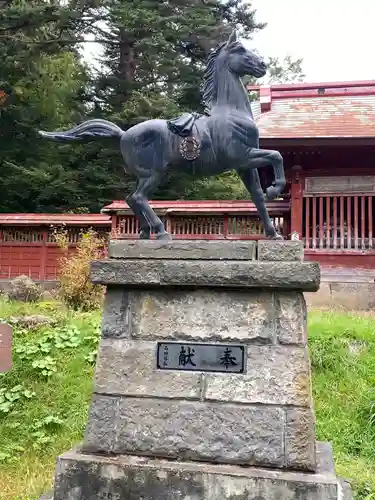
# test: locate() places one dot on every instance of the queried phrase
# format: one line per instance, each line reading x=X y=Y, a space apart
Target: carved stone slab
x=182 y=250
x=304 y=276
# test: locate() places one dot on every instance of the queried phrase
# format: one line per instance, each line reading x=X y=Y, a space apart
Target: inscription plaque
x=5 y=347
x=201 y=357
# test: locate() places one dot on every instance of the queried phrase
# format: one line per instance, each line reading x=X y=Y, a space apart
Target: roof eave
x=318 y=141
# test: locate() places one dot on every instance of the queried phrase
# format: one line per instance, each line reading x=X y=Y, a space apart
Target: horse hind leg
x=138 y=201
x=145 y=228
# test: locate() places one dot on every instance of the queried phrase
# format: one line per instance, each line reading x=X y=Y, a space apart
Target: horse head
x=241 y=61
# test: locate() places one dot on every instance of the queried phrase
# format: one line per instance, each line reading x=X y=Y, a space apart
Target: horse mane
x=208 y=89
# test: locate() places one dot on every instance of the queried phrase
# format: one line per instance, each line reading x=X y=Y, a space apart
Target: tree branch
x=57 y=40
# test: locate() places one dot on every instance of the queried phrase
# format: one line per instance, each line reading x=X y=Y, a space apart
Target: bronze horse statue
x=225 y=138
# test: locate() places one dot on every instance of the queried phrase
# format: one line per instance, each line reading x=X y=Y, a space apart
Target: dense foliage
x=153 y=59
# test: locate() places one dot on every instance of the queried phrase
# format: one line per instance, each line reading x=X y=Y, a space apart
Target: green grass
x=38 y=428
x=44 y=399
x=342 y=347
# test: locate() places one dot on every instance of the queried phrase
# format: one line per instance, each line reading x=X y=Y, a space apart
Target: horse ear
x=232 y=38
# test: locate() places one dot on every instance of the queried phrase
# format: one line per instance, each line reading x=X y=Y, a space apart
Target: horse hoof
x=164 y=236
x=271 y=193
x=276 y=237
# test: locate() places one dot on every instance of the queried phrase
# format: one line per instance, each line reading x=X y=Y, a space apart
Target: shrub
x=76 y=289
x=24 y=289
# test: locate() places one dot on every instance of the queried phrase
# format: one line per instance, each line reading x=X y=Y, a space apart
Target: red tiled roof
x=319 y=117
x=331 y=110
x=55 y=219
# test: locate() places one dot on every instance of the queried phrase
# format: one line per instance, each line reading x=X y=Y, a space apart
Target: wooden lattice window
x=22 y=236
x=339 y=222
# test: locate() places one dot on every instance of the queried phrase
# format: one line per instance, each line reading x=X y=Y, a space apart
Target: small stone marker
x=5 y=347
x=201 y=357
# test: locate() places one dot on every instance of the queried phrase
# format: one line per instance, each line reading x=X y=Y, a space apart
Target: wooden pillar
x=168 y=223
x=43 y=256
x=286 y=227
x=296 y=203
x=226 y=225
x=114 y=226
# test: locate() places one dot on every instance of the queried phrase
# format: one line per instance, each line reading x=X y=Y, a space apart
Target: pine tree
x=154 y=58
x=41 y=80
x=155 y=52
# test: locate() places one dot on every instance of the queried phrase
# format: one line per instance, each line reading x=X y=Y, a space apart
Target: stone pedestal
x=202 y=385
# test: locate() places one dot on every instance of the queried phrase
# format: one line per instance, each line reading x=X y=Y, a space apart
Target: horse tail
x=90 y=129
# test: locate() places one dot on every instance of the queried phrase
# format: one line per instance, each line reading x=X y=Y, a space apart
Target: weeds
x=76 y=289
x=342 y=348
x=40 y=353
x=9 y=397
x=44 y=399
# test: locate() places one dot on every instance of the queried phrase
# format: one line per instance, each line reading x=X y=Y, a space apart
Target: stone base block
x=261 y=417
x=89 y=477
x=257 y=435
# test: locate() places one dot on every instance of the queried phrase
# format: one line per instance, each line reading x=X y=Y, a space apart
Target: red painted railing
x=202 y=227
x=336 y=229
x=203 y=220
x=27 y=244
x=339 y=222
x=28 y=247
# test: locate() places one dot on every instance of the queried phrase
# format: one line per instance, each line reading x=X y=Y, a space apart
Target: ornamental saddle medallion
x=190 y=148
x=183 y=126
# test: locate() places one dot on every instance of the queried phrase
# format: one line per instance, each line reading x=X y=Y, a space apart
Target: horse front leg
x=138 y=201
x=260 y=158
x=250 y=178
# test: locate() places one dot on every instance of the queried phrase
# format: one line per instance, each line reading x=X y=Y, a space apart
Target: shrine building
x=326 y=134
